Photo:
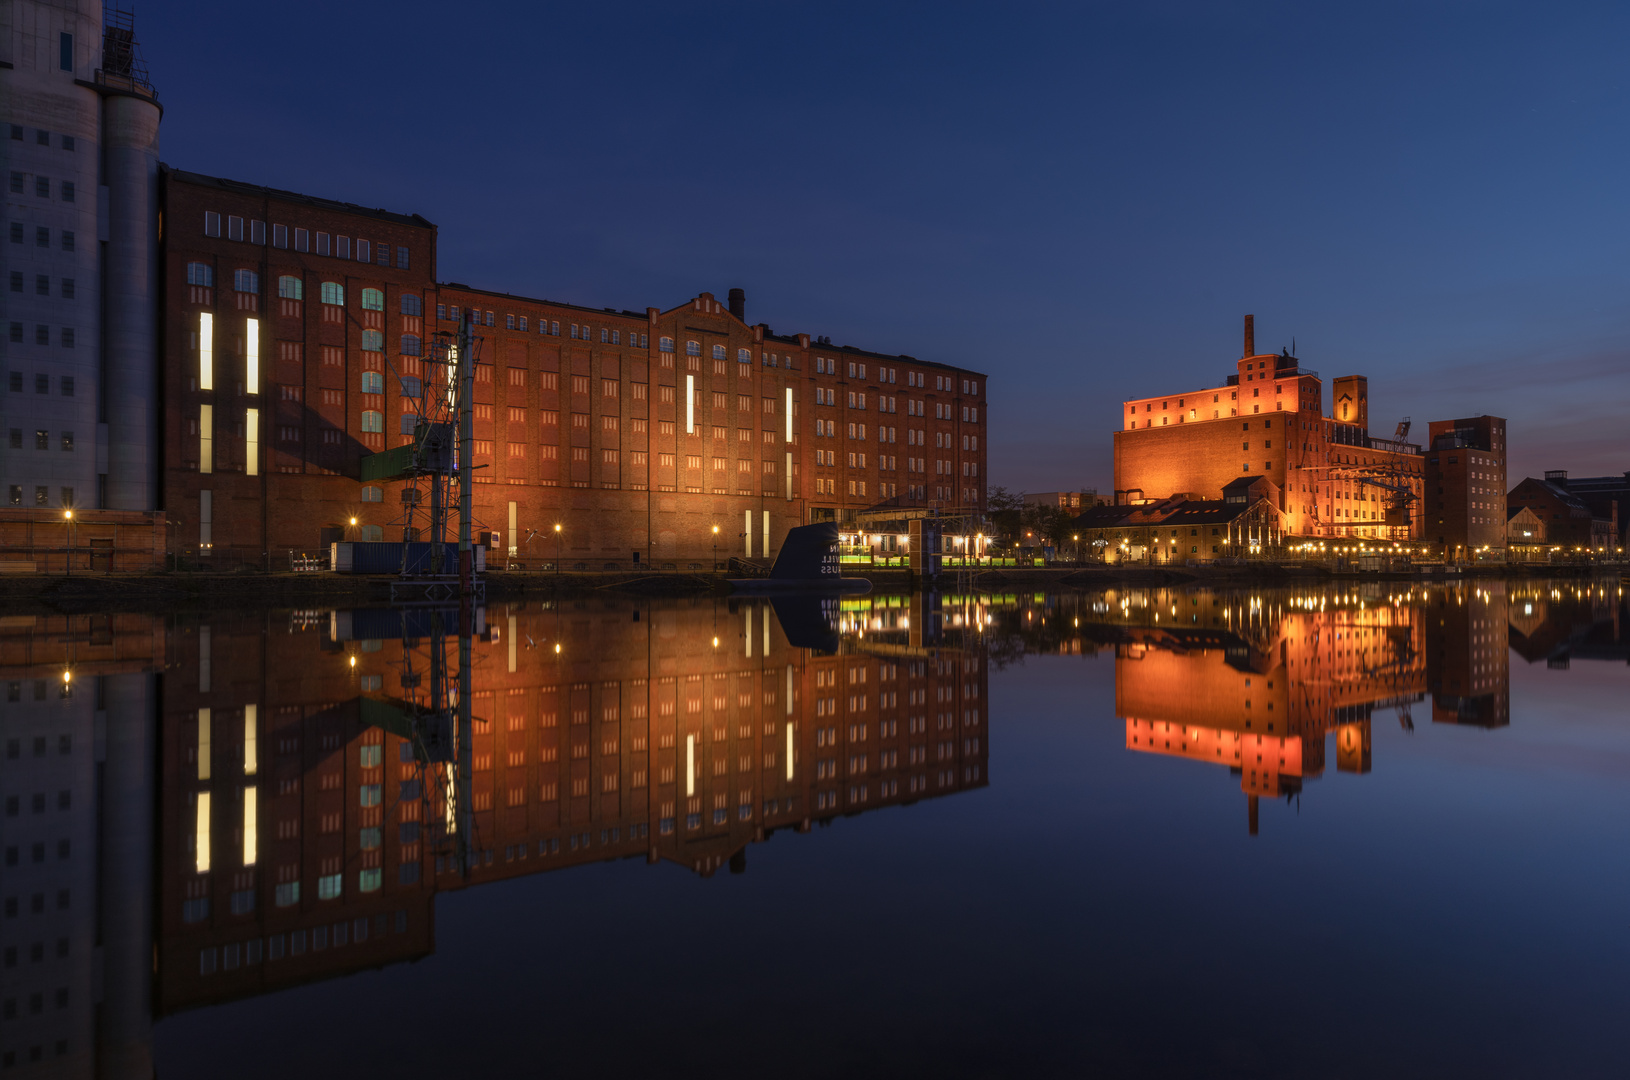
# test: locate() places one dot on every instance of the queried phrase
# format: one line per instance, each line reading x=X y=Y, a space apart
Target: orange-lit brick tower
x=1334 y=479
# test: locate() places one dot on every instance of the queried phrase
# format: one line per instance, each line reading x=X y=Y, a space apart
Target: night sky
x=1081 y=200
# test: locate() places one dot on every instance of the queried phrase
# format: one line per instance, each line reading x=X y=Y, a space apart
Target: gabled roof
x=1574 y=503
x=1169 y=512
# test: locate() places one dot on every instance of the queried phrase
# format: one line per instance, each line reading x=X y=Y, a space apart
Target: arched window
x=412 y=305
x=410 y=423
x=201 y=274
x=693 y=348
x=410 y=345
x=245 y=281
x=373 y=341
x=373 y=382
x=373 y=494
x=743 y=356
x=373 y=421
x=291 y=288
x=373 y=300
x=665 y=344
x=333 y=293
x=718 y=352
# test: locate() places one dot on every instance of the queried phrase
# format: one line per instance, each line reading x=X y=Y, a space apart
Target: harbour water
x=1344 y=832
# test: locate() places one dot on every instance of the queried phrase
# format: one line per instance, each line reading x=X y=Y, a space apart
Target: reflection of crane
x=1405 y=720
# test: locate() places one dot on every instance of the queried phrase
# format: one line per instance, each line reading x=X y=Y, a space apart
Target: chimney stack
x=738 y=304
x=1250 y=334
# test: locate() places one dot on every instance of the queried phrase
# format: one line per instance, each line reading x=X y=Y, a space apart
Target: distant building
x=1332 y=479
x=1465 y=482
x=1525 y=534
x=1076 y=501
x=1183 y=527
x=1607 y=498
x=1570 y=522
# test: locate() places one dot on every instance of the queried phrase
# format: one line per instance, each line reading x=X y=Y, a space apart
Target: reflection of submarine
x=808 y=562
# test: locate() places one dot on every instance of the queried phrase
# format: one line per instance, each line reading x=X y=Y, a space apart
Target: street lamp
x=68 y=516
x=557 y=551
x=715 y=549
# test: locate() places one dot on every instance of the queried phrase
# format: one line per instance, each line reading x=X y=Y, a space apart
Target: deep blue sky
x=1081 y=200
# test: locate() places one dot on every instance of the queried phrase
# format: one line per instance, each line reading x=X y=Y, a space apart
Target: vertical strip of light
x=251 y=743
x=251 y=449
x=789 y=443
x=690 y=765
x=512 y=640
x=690 y=404
x=766 y=545
x=748 y=612
x=251 y=845
x=747 y=532
x=206 y=438
x=789 y=749
x=766 y=632
x=203 y=744
x=201 y=834
x=206 y=351
x=251 y=375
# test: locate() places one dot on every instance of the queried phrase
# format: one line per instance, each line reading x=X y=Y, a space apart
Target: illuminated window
x=373 y=341
x=373 y=421
x=373 y=300
x=290 y=288
x=333 y=293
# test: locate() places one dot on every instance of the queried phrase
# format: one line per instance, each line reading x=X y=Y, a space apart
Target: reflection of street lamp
x=557 y=555
x=68 y=516
x=715 y=548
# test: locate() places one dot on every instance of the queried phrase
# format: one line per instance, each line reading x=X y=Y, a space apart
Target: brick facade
x=1335 y=481
x=581 y=417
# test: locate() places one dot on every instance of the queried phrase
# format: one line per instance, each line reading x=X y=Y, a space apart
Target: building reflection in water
x=1262 y=683
x=288 y=778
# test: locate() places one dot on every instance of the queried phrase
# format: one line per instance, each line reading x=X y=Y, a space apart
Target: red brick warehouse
x=296 y=332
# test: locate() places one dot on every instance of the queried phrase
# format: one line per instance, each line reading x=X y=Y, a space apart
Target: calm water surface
x=1324 y=833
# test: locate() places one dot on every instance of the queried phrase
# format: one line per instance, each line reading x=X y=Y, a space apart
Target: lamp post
x=68 y=516
x=715 y=549
x=557 y=551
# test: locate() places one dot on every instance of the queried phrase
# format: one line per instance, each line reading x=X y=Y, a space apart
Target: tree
x=1006 y=513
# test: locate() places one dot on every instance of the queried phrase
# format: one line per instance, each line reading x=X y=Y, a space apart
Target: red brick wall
x=616 y=469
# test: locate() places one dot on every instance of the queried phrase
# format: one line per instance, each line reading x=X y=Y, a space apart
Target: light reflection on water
x=1426 y=789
